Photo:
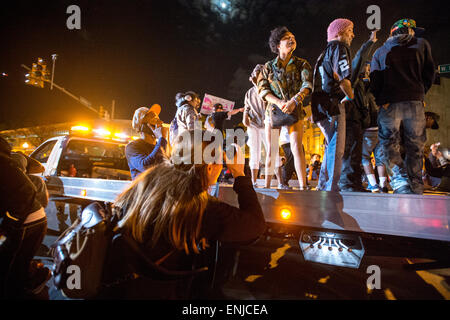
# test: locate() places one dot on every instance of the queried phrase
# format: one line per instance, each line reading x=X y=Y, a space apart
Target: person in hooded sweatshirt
x=187 y=112
x=188 y=106
x=402 y=71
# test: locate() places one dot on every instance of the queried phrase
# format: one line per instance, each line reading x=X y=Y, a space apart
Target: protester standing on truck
x=188 y=105
x=253 y=118
x=149 y=149
x=284 y=82
x=402 y=71
x=219 y=116
x=332 y=89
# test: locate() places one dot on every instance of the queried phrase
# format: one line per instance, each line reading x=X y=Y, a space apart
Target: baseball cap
x=407 y=23
x=142 y=112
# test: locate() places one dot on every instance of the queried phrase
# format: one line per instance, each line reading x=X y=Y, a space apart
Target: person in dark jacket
x=332 y=77
x=402 y=71
x=375 y=172
x=170 y=214
x=365 y=119
x=356 y=118
x=219 y=116
x=149 y=149
x=24 y=162
x=23 y=224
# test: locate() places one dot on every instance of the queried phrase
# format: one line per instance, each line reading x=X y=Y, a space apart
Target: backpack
x=323 y=105
x=80 y=252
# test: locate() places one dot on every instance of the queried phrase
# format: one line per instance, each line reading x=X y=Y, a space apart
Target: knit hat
x=336 y=27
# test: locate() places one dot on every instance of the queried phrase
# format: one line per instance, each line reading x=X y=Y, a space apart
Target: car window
x=94 y=159
x=96 y=149
x=43 y=152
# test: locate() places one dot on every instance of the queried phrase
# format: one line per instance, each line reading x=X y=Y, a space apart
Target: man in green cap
x=402 y=71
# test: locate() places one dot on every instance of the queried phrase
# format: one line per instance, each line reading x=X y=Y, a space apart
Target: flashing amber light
x=83 y=193
x=121 y=135
x=80 y=128
x=25 y=145
x=134 y=137
x=285 y=214
x=103 y=132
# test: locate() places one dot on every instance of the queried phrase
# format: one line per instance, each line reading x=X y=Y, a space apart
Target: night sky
x=144 y=52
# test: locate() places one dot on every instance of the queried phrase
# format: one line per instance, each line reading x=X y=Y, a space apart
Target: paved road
x=275 y=269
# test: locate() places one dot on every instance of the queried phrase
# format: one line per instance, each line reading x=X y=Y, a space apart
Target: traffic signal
x=101 y=112
x=38 y=74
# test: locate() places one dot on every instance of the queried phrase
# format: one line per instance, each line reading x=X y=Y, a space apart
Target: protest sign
x=209 y=101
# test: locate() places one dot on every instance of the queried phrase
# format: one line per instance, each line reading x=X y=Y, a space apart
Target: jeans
x=351 y=174
x=333 y=129
x=411 y=116
x=371 y=144
x=289 y=168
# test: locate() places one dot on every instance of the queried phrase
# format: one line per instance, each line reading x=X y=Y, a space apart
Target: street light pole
x=80 y=99
x=54 y=56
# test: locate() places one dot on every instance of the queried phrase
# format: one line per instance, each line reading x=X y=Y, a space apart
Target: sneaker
x=373 y=188
x=403 y=190
x=385 y=190
x=284 y=187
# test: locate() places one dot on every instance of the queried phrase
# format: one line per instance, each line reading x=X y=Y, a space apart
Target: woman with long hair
x=167 y=210
x=285 y=82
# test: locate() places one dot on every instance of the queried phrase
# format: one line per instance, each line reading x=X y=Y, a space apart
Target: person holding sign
x=284 y=83
x=219 y=115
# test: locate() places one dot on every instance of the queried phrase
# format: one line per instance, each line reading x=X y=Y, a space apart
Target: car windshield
x=94 y=159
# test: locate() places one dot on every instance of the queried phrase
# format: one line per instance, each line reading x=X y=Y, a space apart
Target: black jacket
x=335 y=59
x=402 y=70
x=221 y=222
x=18 y=194
x=363 y=107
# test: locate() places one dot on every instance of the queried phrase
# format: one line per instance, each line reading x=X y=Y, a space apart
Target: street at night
x=225 y=158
